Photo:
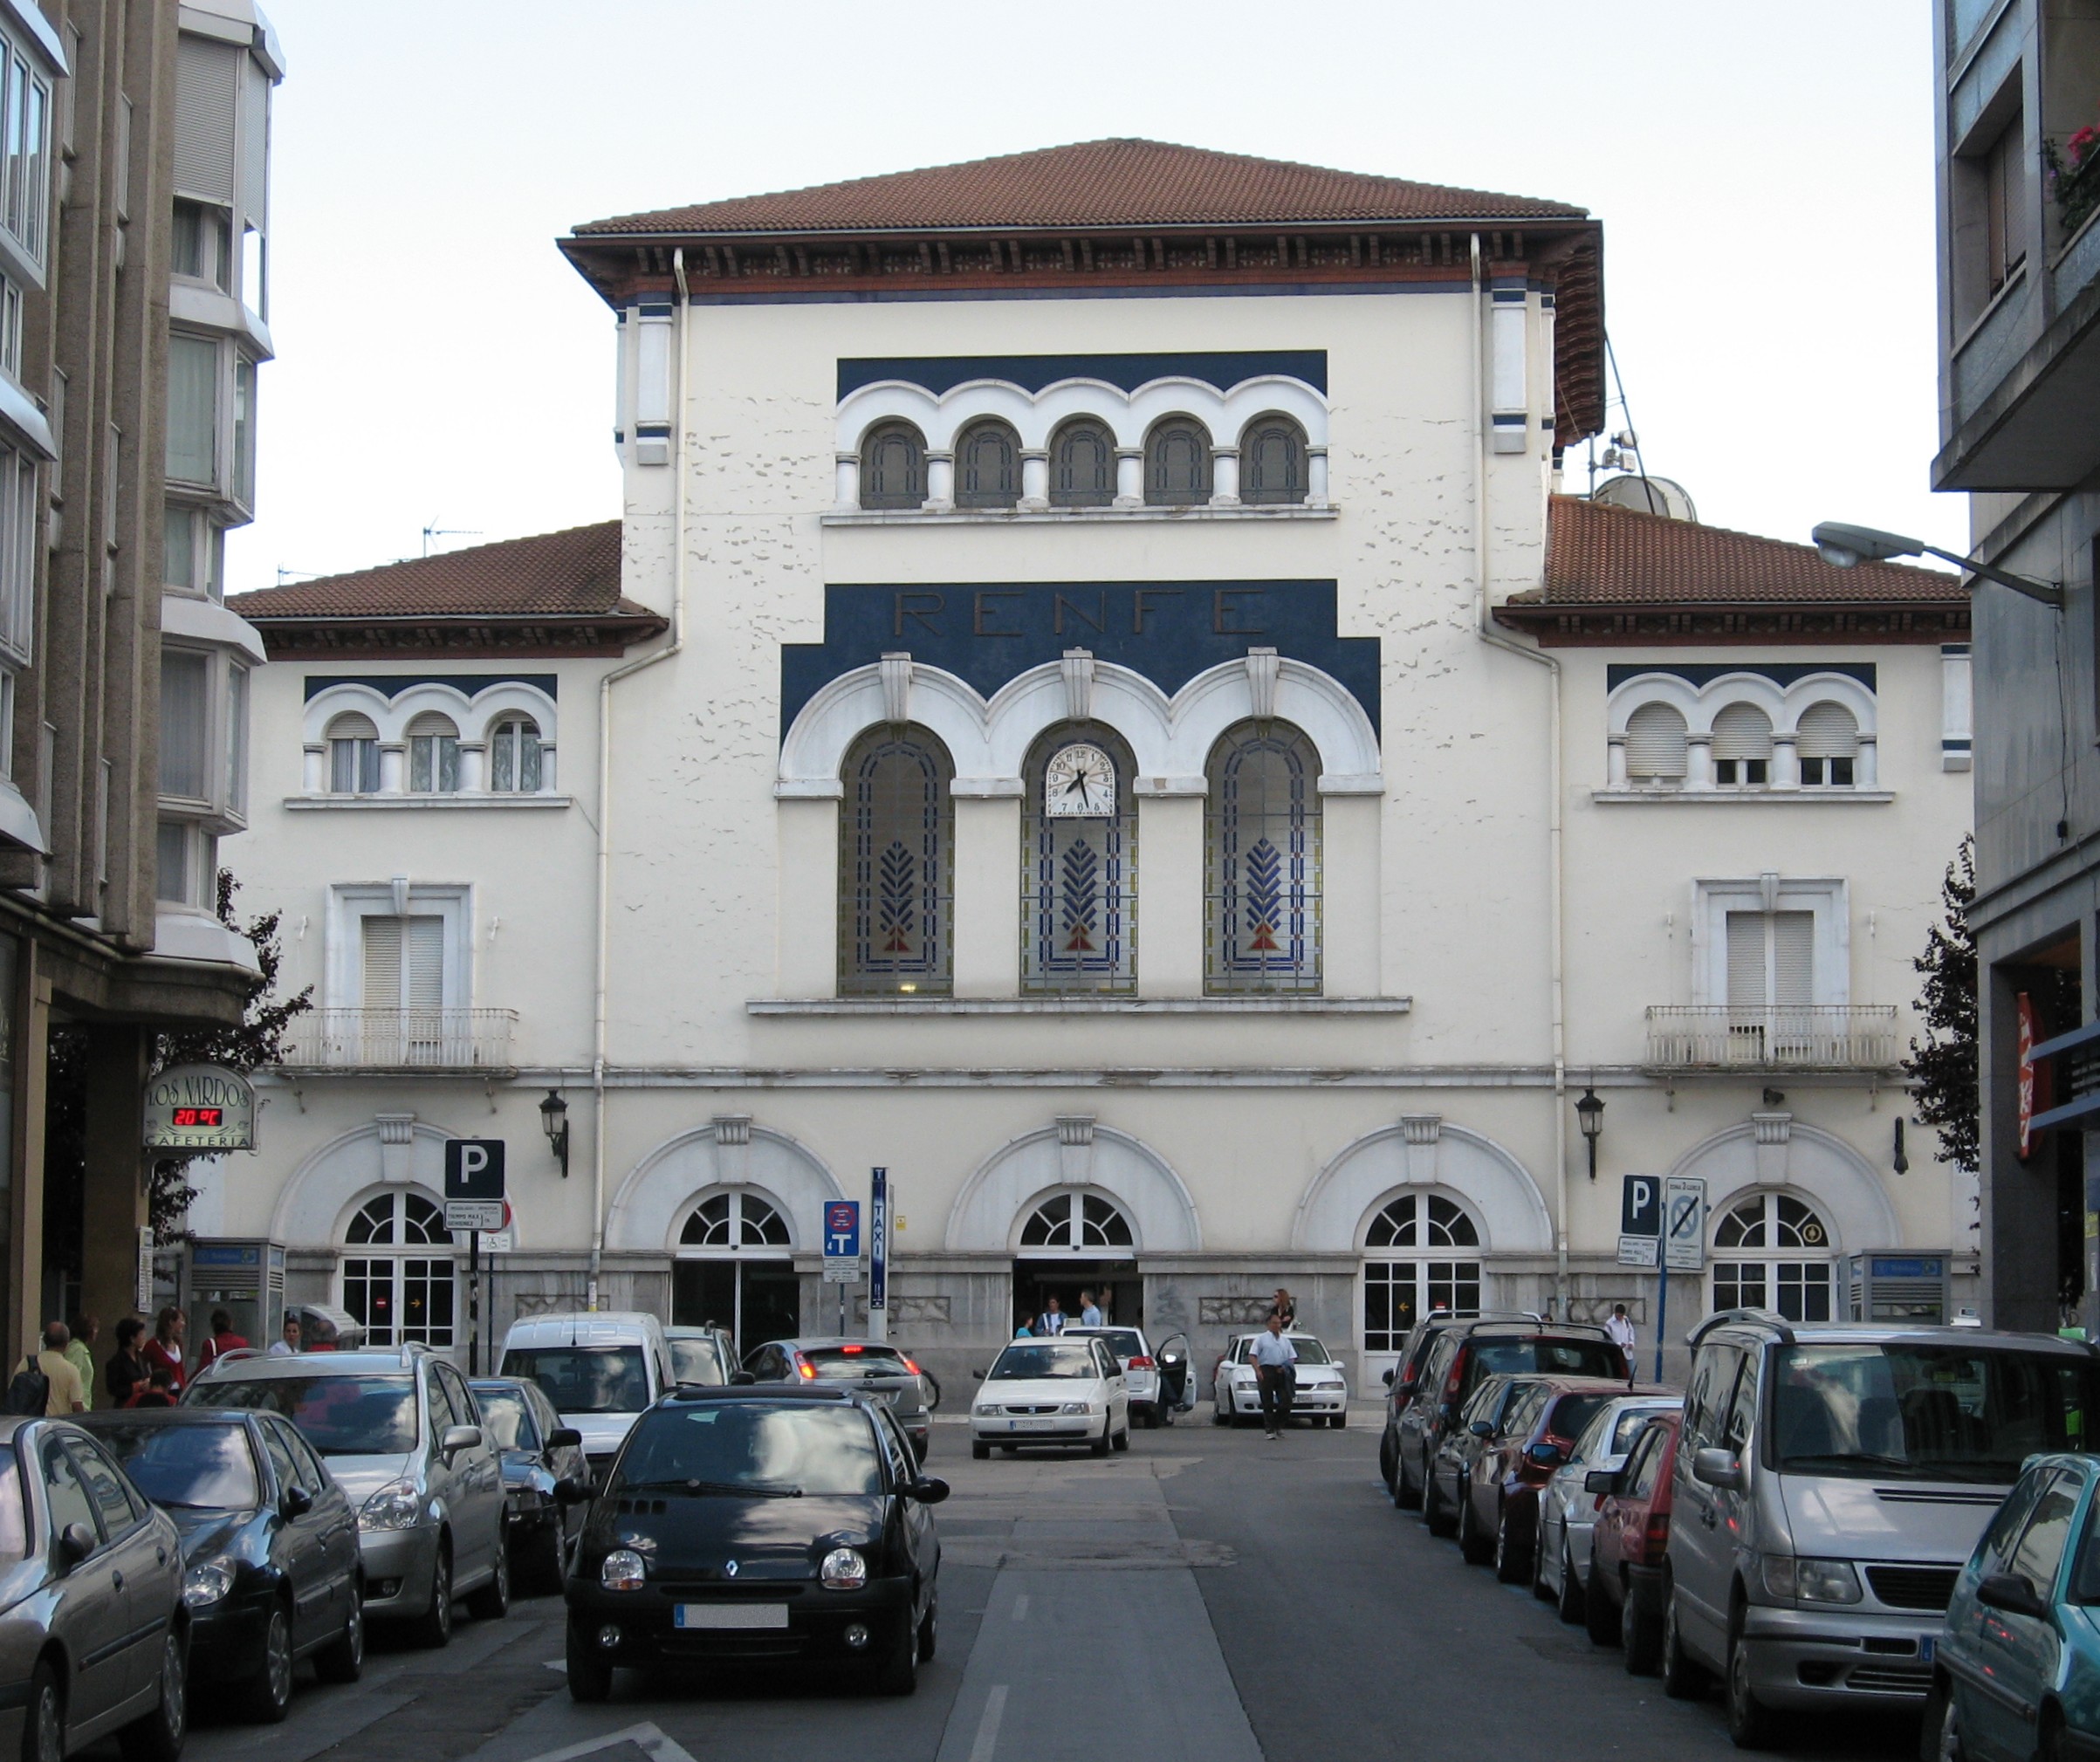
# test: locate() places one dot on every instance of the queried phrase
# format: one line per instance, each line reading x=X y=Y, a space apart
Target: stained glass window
x=897 y=828
x=1262 y=909
x=1079 y=871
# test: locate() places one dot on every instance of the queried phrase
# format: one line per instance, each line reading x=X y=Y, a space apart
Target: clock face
x=1079 y=782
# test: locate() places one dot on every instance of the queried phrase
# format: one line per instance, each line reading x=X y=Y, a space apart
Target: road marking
x=987 y=1728
x=1020 y=1607
x=649 y=1739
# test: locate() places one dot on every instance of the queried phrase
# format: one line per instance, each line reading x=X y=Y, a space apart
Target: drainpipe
x=605 y=784
x=1497 y=639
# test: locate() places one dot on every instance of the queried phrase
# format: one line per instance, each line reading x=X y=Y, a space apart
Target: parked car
x=1622 y=1586
x=1566 y=1507
x=538 y=1454
x=2016 y=1671
x=1446 y=1509
x=601 y=1370
x=1321 y=1391
x=94 y=1633
x=1404 y=1382
x=400 y=1431
x=691 y=1552
x=1830 y=1483
x=268 y=1542
x=1151 y=1402
x=1462 y=1355
x=704 y=1356
x=1050 y=1391
x=869 y=1365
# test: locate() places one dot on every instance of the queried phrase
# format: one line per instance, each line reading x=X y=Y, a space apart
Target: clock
x=1078 y=783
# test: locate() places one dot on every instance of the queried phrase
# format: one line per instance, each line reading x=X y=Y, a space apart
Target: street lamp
x=1590 y=1111
x=554 y=1120
x=1842 y=546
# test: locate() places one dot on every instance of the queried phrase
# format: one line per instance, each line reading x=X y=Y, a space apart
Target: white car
x=1144 y=1370
x=1322 y=1391
x=1568 y=1511
x=1055 y=1391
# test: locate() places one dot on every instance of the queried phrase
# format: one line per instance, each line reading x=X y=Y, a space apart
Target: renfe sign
x=199 y=1108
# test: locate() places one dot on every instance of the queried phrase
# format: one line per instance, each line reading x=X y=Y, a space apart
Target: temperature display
x=200 y=1116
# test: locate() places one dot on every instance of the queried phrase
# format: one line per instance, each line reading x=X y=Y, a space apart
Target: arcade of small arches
x=433 y=739
x=1742 y=731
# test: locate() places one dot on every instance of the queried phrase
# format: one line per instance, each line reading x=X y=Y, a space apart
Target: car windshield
x=1048 y=1359
x=584 y=1379
x=1926 y=1412
x=698 y=1360
x=853 y=1361
x=341 y=1415
x=209 y=1466
x=1572 y=1412
x=507 y=1418
x=1124 y=1342
x=1309 y=1350
x=1556 y=1357
x=733 y=1447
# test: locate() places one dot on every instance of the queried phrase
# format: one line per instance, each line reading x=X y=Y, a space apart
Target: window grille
x=1177 y=464
x=1827 y=742
x=1079 y=877
x=1082 y=466
x=893 y=467
x=1654 y=745
x=1262 y=915
x=1273 y=462
x=896 y=829
x=987 y=466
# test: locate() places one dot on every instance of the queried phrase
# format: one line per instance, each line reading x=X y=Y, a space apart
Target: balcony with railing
x=1780 y=1037
x=470 y=1040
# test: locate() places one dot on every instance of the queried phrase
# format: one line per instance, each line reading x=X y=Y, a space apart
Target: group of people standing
x=146 y=1370
x=1054 y=1319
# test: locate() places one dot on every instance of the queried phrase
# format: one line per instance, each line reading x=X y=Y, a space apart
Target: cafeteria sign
x=199 y=1108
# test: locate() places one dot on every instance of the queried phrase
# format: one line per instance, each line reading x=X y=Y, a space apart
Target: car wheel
x=1101 y=1445
x=1752 y=1725
x=1476 y=1547
x=590 y=1671
x=1599 y=1615
x=1513 y=1560
x=1220 y=1414
x=44 y=1725
x=979 y=1450
x=343 y=1659
x=1434 y=1520
x=269 y=1690
x=492 y=1601
x=158 y=1737
x=1683 y=1680
x=929 y=1630
x=1570 y=1604
x=551 y=1562
x=1541 y=1587
x=1637 y=1636
x=1122 y=1438
x=1337 y=1421
x=1406 y=1494
x=432 y=1628
x=1940 y=1736
x=1389 y=1463
x=898 y=1673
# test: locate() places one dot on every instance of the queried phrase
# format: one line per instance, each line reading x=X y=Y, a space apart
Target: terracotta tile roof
x=1104 y=183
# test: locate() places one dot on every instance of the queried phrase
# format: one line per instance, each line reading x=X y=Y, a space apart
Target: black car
x=540 y=1453
x=270 y=1545
x=1404 y=1382
x=753 y=1522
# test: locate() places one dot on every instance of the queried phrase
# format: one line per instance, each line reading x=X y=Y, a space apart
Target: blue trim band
x=1781 y=672
x=391 y=685
x=939 y=374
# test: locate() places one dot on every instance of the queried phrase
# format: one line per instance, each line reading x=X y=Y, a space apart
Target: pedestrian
x=1051 y=1320
x=85 y=1328
x=1619 y=1329
x=165 y=1347
x=64 y=1394
x=221 y=1340
x=1021 y=1330
x=1089 y=1311
x=124 y=1374
x=1284 y=1309
x=1275 y=1371
x=288 y=1343
x=159 y=1390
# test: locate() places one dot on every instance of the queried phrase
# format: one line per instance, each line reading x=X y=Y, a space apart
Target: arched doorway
x=1421 y=1253
x=1072 y=1242
x=1773 y=1250
x=398 y=1276
x=734 y=1268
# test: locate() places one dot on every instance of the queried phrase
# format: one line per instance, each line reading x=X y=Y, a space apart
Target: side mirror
x=456 y=1438
x=1717 y=1468
x=1389 y=1379
x=2011 y=1592
x=76 y=1543
x=1600 y=1481
x=977 y=1376
x=928 y=1490
x=1481 y=1428
x=741 y=1379
x=297 y=1502
x=1546 y=1455
x=572 y=1492
x=564 y=1437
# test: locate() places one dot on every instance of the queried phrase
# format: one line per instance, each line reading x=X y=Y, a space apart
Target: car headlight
x=1077 y=1406
x=844 y=1569
x=395 y=1506
x=206 y=1582
x=623 y=1570
x=989 y=1410
x=1788 y=1579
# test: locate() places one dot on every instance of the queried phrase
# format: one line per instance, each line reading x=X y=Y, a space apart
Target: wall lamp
x=554 y=1121
x=1842 y=546
x=1590 y=1112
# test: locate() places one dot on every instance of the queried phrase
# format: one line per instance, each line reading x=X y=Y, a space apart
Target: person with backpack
x=48 y=1383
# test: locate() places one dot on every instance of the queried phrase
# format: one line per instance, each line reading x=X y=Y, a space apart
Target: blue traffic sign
x=842 y=1229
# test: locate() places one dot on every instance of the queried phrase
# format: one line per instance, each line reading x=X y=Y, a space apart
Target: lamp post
x=1843 y=546
x=1590 y=1111
x=554 y=1121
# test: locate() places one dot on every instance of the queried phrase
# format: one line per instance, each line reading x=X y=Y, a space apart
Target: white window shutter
x=426 y=971
x=1655 y=742
x=208 y=87
x=1828 y=731
x=382 y=962
x=1742 y=731
x=1794 y=957
x=1746 y=960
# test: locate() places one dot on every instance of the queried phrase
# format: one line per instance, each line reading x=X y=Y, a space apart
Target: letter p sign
x=1641 y=1206
x=474 y=1168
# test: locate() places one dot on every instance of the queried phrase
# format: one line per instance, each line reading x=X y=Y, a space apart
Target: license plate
x=1928 y=1646
x=743 y=1616
x=1027 y=1425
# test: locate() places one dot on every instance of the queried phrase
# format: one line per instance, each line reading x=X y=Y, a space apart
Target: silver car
x=1567 y=1510
x=401 y=1434
x=868 y=1365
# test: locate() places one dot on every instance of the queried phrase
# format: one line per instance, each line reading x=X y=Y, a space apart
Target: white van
x=601 y=1369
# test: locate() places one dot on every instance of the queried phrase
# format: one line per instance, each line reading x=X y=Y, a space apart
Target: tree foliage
x=1943 y=1071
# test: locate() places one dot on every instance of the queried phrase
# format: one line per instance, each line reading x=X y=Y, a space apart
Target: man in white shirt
x=1275 y=1372
x=1621 y=1332
x=1089 y=1311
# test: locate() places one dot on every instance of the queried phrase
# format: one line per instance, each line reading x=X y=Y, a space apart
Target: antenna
x=284 y=574
x=434 y=530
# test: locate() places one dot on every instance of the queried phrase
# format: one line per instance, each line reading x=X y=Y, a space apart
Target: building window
x=893 y=467
x=1828 y=745
x=1772 y=1252
x=1742 y=746
x=735 y=1269
x=2004 y=204
x=1079 y=863
x=402 y=1297
x=26 y=131
x=1177 y=464
x=10 y=329
x=987 y=466
x=434 y=755
x=514 y=757
x=200 y=248
x=1655 y=747
x=353 y=755
x=193 y=387
x=236 y=738
x=193 y=551
x=895 y=832
x=186 y=863
x=1263 y=884
x=734 y=1220
x=1438 y=1274
x=244 y=431
x=1082 y=465
x=1079 y=1222
x=404 y=1017
x=1273 y=468
x=185 y=722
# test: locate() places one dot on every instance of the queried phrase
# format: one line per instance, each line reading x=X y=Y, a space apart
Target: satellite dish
x=1651 y=495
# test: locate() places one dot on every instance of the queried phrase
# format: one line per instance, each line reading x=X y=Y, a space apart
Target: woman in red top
x=165 y=1348
x=222 y=1338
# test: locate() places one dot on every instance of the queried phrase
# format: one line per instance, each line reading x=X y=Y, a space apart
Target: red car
x=1623 y=1597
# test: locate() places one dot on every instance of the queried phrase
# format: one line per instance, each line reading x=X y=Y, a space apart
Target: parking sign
x=841 y=1241
x=1640 y=1220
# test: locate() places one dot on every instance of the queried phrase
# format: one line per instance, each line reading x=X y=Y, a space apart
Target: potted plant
x=2075 y=177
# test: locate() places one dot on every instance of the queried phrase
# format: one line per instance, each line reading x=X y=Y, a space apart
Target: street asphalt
x=1210 y=1595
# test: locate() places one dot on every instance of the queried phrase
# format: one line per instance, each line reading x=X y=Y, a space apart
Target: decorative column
x=1315 y=477
x=1615 y=762
x=1866 y=764
x=847 y=478
x=940 y=482
x=317 y=768
x=473 y=768
x=547 y=768
x=1129 y=478
x=1698 y=760
x=1035 y=482
x=1786 y=762
x=393 y=767
x=1224 y=476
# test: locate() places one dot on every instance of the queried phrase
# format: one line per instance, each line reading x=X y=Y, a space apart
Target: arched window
x=514 y=757
x=893 y=467
x=734 y=1270
x=1655 y=747
x=1082 y=465
x=1263 y=883
x=1827 y=742
x=1772 y=1252
x=432 y=755
x=1078 y=1222
x=1272 y=461
x=1079 y=863
x=1742 y=746
x=987 y=466
x=734 y=1220
x=353 y=755
x=1178 y=464
x=393 y=1281
x=1417 y=1261
x=897 y=828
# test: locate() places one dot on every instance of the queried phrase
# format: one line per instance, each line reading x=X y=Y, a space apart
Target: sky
x=1764 y=175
